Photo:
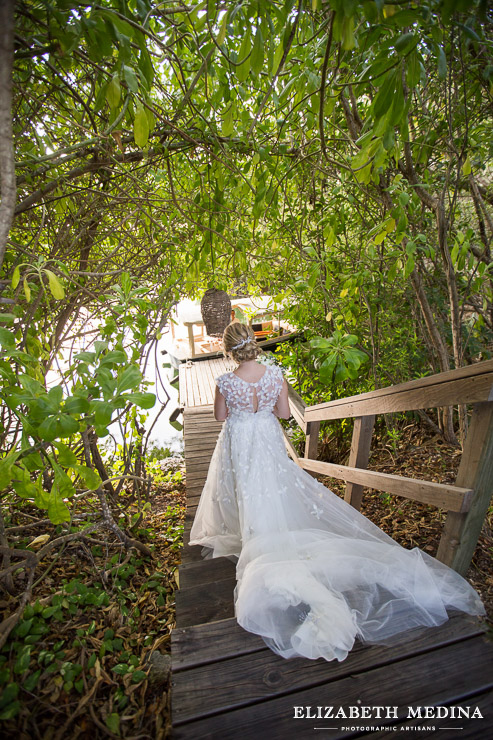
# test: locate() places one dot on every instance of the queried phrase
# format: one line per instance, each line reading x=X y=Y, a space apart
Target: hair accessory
x=242 y=343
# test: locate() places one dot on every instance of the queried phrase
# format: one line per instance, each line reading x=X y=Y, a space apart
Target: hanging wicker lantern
x=216 y=311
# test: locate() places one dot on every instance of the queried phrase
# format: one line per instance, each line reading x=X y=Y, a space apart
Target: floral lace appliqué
x=239 y=393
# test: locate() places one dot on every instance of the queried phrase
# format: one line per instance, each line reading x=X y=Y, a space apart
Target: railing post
x=359 y=456
x=311 y=442
x=461 y=531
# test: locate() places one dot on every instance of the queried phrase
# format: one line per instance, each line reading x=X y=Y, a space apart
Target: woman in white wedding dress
x=313 y=573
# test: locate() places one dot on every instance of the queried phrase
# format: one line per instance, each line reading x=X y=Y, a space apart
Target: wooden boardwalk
x=228 y=684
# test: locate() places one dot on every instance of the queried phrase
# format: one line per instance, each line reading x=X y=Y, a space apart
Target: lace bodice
x=239 y=393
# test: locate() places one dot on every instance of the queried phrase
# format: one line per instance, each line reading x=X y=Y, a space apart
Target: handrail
x=471 y=384
x=467 y=501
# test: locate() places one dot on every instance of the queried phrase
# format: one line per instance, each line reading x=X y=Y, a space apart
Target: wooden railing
x=467 y=501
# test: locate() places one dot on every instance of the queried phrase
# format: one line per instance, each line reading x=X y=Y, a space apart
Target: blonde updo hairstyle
x=236 y=333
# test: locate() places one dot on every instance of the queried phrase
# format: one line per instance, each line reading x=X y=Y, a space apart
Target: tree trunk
x=453 y=302
x=7 y=162
x=439 y=347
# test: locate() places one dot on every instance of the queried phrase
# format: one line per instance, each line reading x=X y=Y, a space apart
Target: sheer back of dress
x=251 y=398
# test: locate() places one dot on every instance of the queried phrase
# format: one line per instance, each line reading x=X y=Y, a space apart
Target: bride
x=313 y=573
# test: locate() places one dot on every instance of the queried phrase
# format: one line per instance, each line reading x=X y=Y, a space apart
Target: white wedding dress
x=313 y=573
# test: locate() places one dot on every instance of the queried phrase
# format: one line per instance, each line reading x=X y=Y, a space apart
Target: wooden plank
x=201 y=454
x=193 y=445
x=211 y=374
x=197 y=477
x=469 y=390
x=198 y=367
x=191 y=340
x=182 y=387
x=359 y=456
x=205 y=383
x=204 y=643
x=198 y=411
x=191 y=554
x=291 y=450
x=205 y=603
x=470 y=371
x=196 y=390
x=311 y=442
x=297 y=406
x=461 y=530
x=209 y=425
x=207 y=571
x=442 y=495
x=447 y=674
x=243 y=680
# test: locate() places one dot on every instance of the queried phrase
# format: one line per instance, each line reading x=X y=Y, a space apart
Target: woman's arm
x=220 y=408
x=281 y=409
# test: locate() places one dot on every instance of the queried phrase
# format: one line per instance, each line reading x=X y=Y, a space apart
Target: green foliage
x=103 y=382
x=337 y=358
x=141 y=180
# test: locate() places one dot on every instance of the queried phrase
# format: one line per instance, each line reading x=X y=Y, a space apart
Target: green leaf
x=228 y=123
x=16 y=276
x=103 y=412
x=58 y=511
x=341 y=372
x=10 y=711
x=138 y=676
x=121 y=669
x=327 y=368
x=113 y=92
x=49 y=429
x=413 y=69
x=466 y=167
x=141 y=127
x=21 y=481
x=348 y=38
x=112 y=722
x=257 y=58
x=54 y=397
x=221 y=36
x=76 y=405
x=243 y=70
x=404 y=42
x=85 y=357
x=409 y=267
x=114 y=357
x=30 y=683
x=143 y=400
x=9 y=693
x=57 y=289
x=131 y=78
x=42 y=498
x=23 y=659
x=27 y=290
x=67 y=425
x=89 y=476
x=129 y=378
x=7 y=468
x=7 y=339
x=384 y=97
x=442 y=63
x=66 y=456
x=63 y=482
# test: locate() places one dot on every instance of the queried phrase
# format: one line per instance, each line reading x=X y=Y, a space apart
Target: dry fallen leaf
x=41 y=540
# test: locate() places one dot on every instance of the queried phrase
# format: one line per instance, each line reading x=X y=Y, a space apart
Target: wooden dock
x=227 y=684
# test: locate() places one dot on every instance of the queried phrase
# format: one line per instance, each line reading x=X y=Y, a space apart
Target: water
x=157 y=425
